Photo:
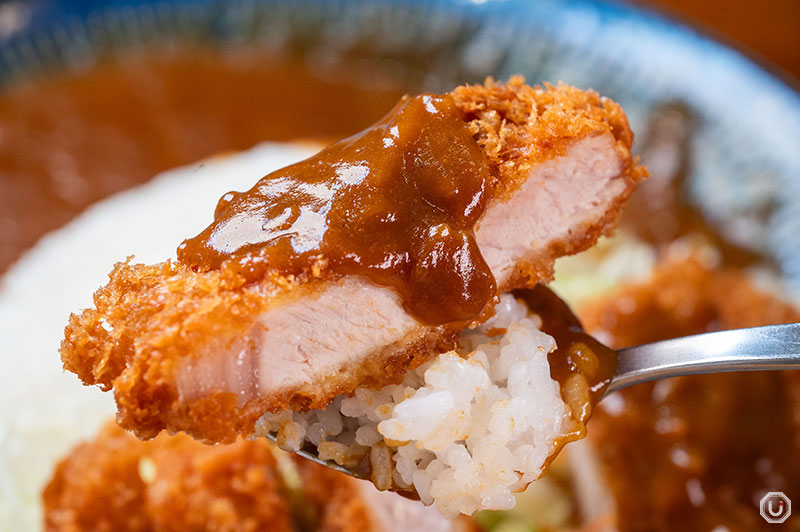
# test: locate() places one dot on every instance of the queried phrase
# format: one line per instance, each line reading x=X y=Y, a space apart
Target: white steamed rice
x=466 y=430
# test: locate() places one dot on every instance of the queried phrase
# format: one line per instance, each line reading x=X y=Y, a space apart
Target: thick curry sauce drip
x=396 y=204
x=577 y=352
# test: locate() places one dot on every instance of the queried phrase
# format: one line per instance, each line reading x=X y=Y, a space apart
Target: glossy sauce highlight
x=396 y=204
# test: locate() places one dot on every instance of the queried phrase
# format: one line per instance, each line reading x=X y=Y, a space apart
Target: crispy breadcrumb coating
x=149 y=318
x=117 y=483
x=520 y=125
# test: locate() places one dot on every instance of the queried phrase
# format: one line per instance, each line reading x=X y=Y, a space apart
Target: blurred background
x=769 y=30
x=97 y=97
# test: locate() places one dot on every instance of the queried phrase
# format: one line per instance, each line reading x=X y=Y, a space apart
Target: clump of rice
x=466 y=430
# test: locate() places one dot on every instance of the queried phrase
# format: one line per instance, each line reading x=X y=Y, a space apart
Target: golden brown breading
x=97 y=487
x=117 y=483
x=147 y=319
x=519 y=125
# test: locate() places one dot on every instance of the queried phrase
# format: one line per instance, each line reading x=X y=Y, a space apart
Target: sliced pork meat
x=353 y=266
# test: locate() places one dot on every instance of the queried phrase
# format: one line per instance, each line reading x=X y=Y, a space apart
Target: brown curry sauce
x=577 y=354
x=73 y=138
x=396 y=204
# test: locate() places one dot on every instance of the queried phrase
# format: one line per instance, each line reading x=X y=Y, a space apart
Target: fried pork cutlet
x=117 y=483
x=353 y=266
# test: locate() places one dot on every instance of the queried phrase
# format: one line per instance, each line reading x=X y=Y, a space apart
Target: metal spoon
x=755 y=349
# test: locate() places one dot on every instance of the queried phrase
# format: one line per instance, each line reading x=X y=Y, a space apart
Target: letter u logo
x=772 y=512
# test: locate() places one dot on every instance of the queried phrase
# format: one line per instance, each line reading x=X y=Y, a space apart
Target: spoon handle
x=754 y=349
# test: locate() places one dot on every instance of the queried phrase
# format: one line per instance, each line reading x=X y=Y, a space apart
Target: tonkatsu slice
x=350 y=268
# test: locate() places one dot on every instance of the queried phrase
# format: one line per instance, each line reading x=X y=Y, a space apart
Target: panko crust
x=117 y=483
x=519 y=125
x=150 y=317
x=145 y=320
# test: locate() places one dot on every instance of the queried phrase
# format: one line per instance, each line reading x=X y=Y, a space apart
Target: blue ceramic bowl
x=745 y=150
